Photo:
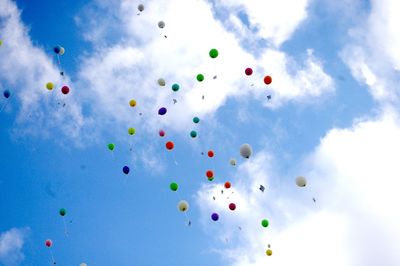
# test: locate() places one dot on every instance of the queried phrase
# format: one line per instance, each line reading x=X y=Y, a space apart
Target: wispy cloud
x=11 y=244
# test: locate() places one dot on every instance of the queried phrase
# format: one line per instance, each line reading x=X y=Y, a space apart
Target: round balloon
x=161 y=82
x=140 y=7
x=161 y=24
x=162 y=111
x=132 y=103
x=50 y=86
x=264 y=223
x=268 y=252
x=48 y=243
x=169 y=145
x=232 y=162
x=232 y=206
x=111 y=146
x=209 y=173
x=214 y=217
x=193 y=134
x=267 y=80
x=62 y=51
x=62 y=212
x=173 y=186
x=125 y=169
x=200 y=77
x=196 y=120
x=175 y=87
x=213 y=53
x=57 y=49
x=65 y=90
x=7 y=94
x=210 y=153
x=83 y=264
x=131 y=131
x=301 y=181
x=246 y=151
x=161 y=133
x=248 y=71
x=183 y=205
x=227 y=184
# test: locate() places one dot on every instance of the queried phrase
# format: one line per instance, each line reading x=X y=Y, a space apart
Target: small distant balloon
x=131 y=131
x=200 y=77
x=65 y=89
x=169 y=145
x=264 y=223
x=268 y=252
x=175 y=87
x=196 y=120
x=7 y=94
x=210 y=153
x=48 y=243
x=161 y=133
x=49 y=86
x=161 y=82
x=209 y=173
x=213 y=53
x=267 y=80
x=232 y=162
x=140 y=7
x=162 y=111
x=301 y=181
x=214 y=217
x=111 y=146
x=125 y=169
x=62 y=51
x=173 y=186
x=57 y=49
x=227 y=184
x=161 y=24
x=132 y=103
x=62 y=212
x=83 y=264
x=183 y=206
x=246 y=151
x=248 y=71
x=232 y=206
x=193 y=134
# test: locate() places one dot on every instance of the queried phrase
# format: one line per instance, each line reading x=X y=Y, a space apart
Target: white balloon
x=161 y=24
x=161 y=82
x=140 y=7
x=301 y=181
x=232 y=162
x=246 y=151
x=183 y=205
x=83 y=264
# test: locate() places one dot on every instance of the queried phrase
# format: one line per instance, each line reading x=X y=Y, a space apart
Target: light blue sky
x=329 y=87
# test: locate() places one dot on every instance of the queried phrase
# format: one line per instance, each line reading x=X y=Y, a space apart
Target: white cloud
x=11 y=243
x=355 y=220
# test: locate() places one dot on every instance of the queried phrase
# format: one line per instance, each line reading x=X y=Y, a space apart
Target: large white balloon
x=301 y=181
x=183 y=205
x=246 y=151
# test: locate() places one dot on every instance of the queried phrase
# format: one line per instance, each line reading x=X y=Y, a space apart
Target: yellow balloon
x=1 y=42
x=62 y=51
x=50 y=86
x=131 y=131
x=132 y=103
x=269 y=252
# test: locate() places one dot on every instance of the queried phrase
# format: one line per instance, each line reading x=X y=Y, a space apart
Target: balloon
x=49 y=86
x=57 y=49
x=210 y=153
x=183 y=205
x=65 y=90
x=161 y=24
x=162 y=111
x=200 y=77
x=196 y=120
x=246 y=151
x=62 y=51
x=214 y=217
x=175 y=87
x=125 y=169
x=1 y=42
x=173 y=186
x=267 y=80
x=227 y=184
x=140 y=7
x=169 y=145
x=232 y=162
x=48 y=243
x=264 y=223
x=209 y=173
x=161 y=82
x=232 y=206
x=193 y=134
x=131 y=131
x=7 y=94
x=132 y=103
x=301 y=181
x=111 y=146
x=161 y=133
x=211 y=178
x=248 y=71
x=268 y=252
x=83 y=264
x=63 y=212
x=213 y=53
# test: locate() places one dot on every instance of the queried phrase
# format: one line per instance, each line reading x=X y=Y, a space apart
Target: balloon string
x=65 y=227
x=59 y=63
x=52 y=257
x=3 y=107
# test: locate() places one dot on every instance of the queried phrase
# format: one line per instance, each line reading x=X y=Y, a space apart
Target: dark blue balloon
x=57 y=49
x=162 y=111
x=125 y=170
x=7 y=94
x=215 y=216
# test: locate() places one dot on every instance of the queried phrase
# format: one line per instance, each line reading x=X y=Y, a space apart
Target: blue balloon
x=162 y=111
x=214 y=217
x=7 y=94
x=57 y=49
x=125 y=170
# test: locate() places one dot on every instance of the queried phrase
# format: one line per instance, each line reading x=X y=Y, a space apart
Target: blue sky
x=333 y=118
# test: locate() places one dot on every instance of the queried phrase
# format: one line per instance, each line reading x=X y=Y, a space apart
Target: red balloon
x=161 y=133
x=210 y=153
x=209 y=174
x=48 y=243
x=267 y=80
x=169 y=145
x=248 y=71
x=232 y=206
x=65 y=90
x=227 y=184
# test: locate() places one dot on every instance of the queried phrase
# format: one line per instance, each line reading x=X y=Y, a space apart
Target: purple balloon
x=162 y=111
x=125 y=170
x=215 y=216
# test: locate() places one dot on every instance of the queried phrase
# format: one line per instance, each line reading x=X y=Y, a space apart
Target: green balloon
x=131 y=131
x=111 y=146
x=213 y=53
x=173 y=186
x=196 y=120
x=200 y=77
x=175 y=87
x=193 y=134
x=264 y=223
x=63 y=212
